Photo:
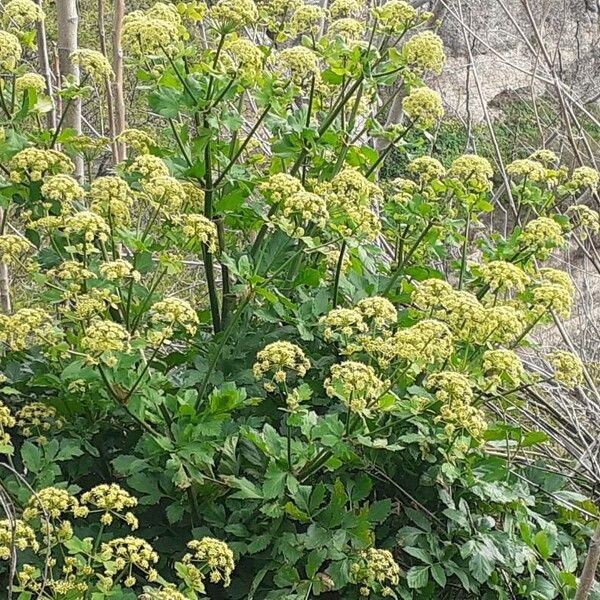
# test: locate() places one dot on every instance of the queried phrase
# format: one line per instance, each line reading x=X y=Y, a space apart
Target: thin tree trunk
x=68 y=21
x=119 y=95
x=5 y=303
x=44 y=61
x=588 y=573
x=108 y=84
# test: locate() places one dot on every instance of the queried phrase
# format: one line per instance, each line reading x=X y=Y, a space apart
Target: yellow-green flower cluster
x=94 y=63
x=281 y=186
x=92 y=304
x=165 y=594
x=62 y=189
x=395 y=16
x=36 y=420
x=424 y=51
x=341 y=323
x=527 y=169
x=502 y=365
x=10 y=51
x=355 y=384
x=376 y=571
x=351 y=197
x=73 y=272
x=53 y=503
x=12 y=248
x=144 y=34
x=345 y=8
x=234 y=14
x=87 y=224
x=545 y=156
x=503 y=324
x=423 y=106
x=30 y=81
x=194 y=195
x=148 y=166
x=307 y=19
x=347 y=28
x=454 y=391
x=298 y=209
x=164 y=192
x=502 y=275
x=280 y=359
x=379 y=311
x=125 y=554
x=26 y=328
x=200 y=228
x=112 y=500
x=33 y=163
x=568 y=368
x=552 y=296
x=586 y=218
x=119 y=269
x=212 y=555
x=541 y=236
x=137 y=139
x=103 y=338
x=112 y=198
x=16 y=534
x=19 y=14
x=7 y=421
x=426 y=169
x=473 y=171
x=244 y=58
x=585 y=177
x=276 y=13
x=298 y=64
x=173 y=312
x=427 y=342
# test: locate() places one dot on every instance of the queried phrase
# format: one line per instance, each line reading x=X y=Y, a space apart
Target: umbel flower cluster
x=46 y=529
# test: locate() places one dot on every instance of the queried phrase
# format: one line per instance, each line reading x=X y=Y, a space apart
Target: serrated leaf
x=417 y=577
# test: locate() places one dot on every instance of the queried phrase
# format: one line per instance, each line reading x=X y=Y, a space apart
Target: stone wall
x=507 y=55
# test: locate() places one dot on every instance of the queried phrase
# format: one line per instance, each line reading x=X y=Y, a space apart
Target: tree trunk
x=588 y=573
x=67 y=22
x=119 y=94
x=44 y=62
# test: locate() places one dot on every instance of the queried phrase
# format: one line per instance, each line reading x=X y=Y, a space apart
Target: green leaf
x=379 y=511
x=32 y=457
x=314 y=561
x=438 y=573
x=568 y=558
x=481 y=566
x=246 y=488
x=419 y=553
x=542 y=543
x=274 y=483
x=417 y=577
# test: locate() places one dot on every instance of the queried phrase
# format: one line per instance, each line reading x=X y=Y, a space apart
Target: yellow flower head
x=474 y=171
x=137 y=139
x=105 y=337
x=280 y=359
x=502 y=275
x=307 y=19
x=585 y=218
x=111 y=197
x=173 y=312
x=379 y=311
x=342 y=323
x=30 y=81
x=527 y=169
x=299 y=209
x=298 y=63
x=34 y=163
x=424 y=51
x=21 y=14
x=347 y=28
x=427 y=342
x=16 y=534
x=542 y=235
x=244 y=58
x=111 y=500
x=426 y=169
x=345 y=8
x=94 y=63
x=376 y=571
x=164 y=192
x=395 y=16
x=148 y=166
x=423 y=106
x=10 y=51
x=118 y=269
x=500 y=365
x=144 y=35
x=51 y=503
x=88 y=225
x=568 y=368
x=62 y=189
x=280 y=186
x=355 y=384
x=214 y=556
x=585 y=177
x=12 y=248
x=234 y=14
x=26 y=328
x=200 y=228
x=37 y=419
x=546 y=157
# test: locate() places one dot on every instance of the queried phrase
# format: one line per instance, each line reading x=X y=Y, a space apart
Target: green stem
x=338 y=272
x=463 y=260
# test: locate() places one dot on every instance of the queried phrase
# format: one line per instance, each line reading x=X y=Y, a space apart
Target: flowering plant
x=236 y=333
